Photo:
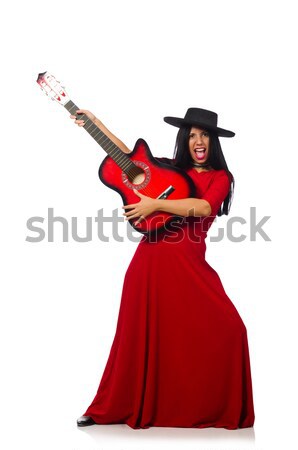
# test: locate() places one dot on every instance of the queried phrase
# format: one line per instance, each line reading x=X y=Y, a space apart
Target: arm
x=181 y=207
x=184 y=207
x=102 y=127
x=206 y=206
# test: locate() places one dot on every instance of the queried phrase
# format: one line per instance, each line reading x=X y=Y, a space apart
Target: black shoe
x=85 y=421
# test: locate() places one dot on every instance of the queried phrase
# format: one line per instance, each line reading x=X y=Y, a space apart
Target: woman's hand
x=142 y=209
x=80 y=122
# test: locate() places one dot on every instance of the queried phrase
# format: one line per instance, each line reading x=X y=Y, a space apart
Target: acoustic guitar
x=124 y=172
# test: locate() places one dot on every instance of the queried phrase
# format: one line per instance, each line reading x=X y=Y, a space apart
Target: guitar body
x=156 y=180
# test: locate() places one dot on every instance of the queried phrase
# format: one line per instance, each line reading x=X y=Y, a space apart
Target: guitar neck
x=120 y=158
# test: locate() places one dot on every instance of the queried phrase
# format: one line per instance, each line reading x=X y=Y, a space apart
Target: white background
x=132 y=63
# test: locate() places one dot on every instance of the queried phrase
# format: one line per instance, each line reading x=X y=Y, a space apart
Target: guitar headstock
x=52 y=88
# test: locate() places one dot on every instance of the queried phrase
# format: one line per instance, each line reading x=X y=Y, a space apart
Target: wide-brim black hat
x=202 y=118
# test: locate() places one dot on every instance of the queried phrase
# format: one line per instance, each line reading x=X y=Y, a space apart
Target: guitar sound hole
x=137 y=176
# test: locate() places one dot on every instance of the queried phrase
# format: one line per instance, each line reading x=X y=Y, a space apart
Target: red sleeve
x=217 y=191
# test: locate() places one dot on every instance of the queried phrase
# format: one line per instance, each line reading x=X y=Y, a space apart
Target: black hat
x=202 y=118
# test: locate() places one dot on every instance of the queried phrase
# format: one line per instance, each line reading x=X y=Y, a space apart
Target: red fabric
x=180 y=355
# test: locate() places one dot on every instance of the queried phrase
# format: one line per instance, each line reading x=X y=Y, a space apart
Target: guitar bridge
x=166 y=193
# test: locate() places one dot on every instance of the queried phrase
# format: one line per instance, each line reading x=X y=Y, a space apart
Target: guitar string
x=121 y=159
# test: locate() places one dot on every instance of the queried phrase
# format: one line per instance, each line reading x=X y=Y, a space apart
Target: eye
x=206 y=134
x=191 y=136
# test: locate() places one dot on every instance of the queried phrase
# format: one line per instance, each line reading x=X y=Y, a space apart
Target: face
x=199 y=144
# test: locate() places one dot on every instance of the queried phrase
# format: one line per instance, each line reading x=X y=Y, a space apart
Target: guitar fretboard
x=121 y=159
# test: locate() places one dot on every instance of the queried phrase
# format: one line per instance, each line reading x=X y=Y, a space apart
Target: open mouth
x=200 y=153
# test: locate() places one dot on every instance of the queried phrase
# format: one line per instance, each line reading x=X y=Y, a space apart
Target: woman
x=180 y=355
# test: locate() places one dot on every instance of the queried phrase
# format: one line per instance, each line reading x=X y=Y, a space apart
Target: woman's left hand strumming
x=142 y=209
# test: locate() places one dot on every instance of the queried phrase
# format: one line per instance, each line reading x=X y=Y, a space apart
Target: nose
x=199 y=140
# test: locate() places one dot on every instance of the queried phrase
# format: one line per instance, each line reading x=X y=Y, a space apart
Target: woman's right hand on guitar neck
x=81 y=122
x=101 y=126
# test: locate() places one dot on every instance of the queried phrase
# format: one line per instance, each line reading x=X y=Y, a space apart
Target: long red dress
x=180 y=354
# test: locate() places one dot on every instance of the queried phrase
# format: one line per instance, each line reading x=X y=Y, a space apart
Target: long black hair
x=216 y=160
